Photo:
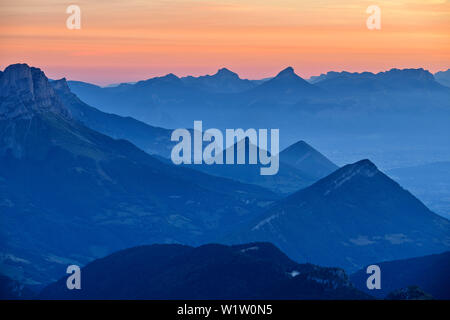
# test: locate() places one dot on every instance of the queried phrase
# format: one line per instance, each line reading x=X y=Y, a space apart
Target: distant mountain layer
x=300 y=165
x=224 y=81
x=394 y=79
x=430 y=273
x=69 y=194
x=384 y=112
x=307 y=159
x=352 y=217
x=248 y=271
x=153 y=140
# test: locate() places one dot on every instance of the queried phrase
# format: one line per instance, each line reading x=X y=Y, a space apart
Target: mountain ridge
x=212 y=271
x=354 y=216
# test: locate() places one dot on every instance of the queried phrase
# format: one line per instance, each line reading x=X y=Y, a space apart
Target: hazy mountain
x=305 y=158
x=153 y=140
x=249 y=271
x=285 y=87
x=389 y=108
x=70 y=194
x=352 y=217
x=394 y=79
x=157 y=100
x=430 y=273
x=429 y=182
x=303 y=166
x=300 y=165
x=286 y=180
x=224 y=81
x=443 y=77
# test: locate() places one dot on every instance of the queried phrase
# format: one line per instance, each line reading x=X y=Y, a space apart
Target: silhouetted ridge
x=212 y=271
x=226 y=73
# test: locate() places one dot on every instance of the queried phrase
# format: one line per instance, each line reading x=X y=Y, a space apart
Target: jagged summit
x=286 y=83
x=364 y=167
x=289 y=71
x=392 y=80
x=61 y=85
x=24 y=91
x=224 y=72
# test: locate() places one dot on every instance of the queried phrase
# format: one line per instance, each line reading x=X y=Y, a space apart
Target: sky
x=122 y=41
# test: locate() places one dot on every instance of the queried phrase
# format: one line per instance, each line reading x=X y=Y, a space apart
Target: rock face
x=394 y=79
x=25 y=91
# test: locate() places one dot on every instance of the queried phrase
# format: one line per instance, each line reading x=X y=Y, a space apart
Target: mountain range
x=248 y=271
x=301 y=164
x=396 y=112
x=72 y=194
x=77 y=184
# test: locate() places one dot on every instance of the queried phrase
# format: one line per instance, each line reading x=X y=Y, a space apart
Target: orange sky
x=136 y=39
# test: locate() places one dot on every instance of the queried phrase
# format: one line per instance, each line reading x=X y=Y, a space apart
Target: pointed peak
x=224 y=72
x=17 y=67
x=363 y=167
x=169 y=76
x=301 y=143
x=289 y=71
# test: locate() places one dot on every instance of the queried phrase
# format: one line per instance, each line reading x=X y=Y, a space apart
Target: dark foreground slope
x=250 y=271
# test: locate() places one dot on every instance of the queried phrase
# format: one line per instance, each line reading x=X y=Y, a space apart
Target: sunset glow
x=131 y=40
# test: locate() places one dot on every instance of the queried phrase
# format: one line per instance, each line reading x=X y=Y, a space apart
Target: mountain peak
x=299 y=145
x=350 y=175
x=224 y=72
x=304 y=157
x=61 y=85
x=25 y=90
x=289 y=71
